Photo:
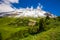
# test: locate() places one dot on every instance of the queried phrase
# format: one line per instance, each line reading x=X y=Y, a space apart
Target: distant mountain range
x=27 y=12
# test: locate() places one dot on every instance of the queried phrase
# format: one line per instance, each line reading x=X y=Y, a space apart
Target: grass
x=52 y=34
x=25 y=32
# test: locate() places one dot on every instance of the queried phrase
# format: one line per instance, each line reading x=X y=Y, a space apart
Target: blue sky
x=52 y=6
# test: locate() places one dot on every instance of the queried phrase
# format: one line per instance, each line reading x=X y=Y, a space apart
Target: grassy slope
x=7 y=31
x=52 y=34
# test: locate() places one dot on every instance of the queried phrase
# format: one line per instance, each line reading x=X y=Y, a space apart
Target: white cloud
x=14 y=1
x=6 y=6
x=10 y=1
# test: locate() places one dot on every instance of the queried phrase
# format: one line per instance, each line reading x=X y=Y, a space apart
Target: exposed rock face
x=32 y=23
x=50 y=15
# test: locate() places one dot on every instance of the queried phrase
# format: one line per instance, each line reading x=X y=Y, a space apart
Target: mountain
x=27 y=12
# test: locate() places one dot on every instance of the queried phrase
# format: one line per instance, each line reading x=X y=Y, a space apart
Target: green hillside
x=30 y=28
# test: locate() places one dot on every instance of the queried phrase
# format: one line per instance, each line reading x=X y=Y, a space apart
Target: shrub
x=20 y=22
x=0 y=36
x=58 y=18
x=33 y=30
x=42 y=25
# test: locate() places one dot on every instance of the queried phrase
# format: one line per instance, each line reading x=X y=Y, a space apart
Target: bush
x=0 y=36
x=42 y=25
x=20 y=22
x=33 y=30
x=58 y=18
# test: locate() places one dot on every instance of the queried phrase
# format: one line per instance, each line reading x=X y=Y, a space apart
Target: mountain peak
x=28 y=12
